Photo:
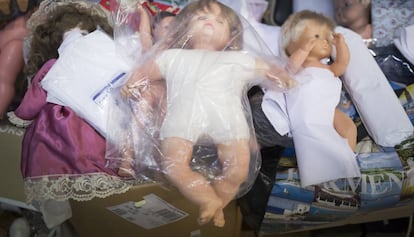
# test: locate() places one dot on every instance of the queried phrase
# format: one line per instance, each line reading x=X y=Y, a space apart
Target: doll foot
x=219 y=219
x=208 y=211
x=18 y=122
x=126 y=172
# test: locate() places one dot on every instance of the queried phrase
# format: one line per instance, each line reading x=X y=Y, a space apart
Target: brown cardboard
x=92 y=218
x=11 y=185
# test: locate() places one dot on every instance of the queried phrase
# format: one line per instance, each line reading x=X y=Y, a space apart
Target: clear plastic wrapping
x=184 y=115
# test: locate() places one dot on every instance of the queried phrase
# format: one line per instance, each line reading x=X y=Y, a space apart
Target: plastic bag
x=199 y=135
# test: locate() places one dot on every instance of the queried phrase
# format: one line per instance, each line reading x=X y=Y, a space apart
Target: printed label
x=154 y=213
x=100 y=97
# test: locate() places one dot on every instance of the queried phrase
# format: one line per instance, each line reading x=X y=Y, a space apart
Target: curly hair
x=48 y=35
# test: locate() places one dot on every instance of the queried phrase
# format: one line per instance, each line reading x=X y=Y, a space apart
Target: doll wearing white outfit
x=205 y=84
x=208 y=104
x=323 y=135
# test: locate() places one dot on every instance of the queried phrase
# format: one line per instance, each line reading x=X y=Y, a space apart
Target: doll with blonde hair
x=206 y=75
x=322 y=133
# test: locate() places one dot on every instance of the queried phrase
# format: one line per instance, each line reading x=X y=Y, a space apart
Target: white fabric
x=322 y=154
x=85 y=72
x=252 y=11
x=379 y=108
x=205 y=98
x=405 y=43
x=322 y=6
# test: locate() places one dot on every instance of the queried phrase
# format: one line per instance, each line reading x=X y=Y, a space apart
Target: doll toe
x=219 y=219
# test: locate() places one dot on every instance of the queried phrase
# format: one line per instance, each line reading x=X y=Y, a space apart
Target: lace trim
x=82 y=187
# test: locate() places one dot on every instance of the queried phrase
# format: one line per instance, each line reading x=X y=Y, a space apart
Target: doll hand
x=135 y=85
x=338 y=39
x=134 y=89
x=308 y=46
x=282 y=82
x=282 y=79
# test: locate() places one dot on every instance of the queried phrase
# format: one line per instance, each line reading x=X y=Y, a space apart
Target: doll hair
x=47 y=35
x=294 y=26
x=180 y=24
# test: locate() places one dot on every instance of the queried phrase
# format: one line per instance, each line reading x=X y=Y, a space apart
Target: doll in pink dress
x=206 y=73
x=60 y=148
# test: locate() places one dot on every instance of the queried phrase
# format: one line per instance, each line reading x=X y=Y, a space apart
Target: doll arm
x=275 y=74
x=342 y=55
x=140 y=77
x=298 y=57
x=144 y=28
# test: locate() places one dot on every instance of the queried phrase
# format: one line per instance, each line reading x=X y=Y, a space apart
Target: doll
x=321 y=132
x=59 y=146
x=160 y=25
x=153 y=99
x=206 y=74
x=355 y=15
x=11 y=59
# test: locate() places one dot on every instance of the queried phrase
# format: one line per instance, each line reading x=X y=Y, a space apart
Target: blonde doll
x=206 y=75
x=323 y=135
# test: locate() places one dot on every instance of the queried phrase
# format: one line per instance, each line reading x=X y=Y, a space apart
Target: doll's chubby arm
x=144 y=27
x=140 y=77
x=342 y=55
x=275 y=74
x=298 y=57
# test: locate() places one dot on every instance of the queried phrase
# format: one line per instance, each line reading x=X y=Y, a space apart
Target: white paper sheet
x=83 y=76
x=322 y=154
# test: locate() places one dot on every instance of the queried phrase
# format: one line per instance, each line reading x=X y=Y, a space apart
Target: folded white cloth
x=405 y=43
x=84 y=75
x=322 y=154
x=379 y=108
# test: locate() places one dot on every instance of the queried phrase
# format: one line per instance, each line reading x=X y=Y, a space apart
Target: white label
x=154 y=213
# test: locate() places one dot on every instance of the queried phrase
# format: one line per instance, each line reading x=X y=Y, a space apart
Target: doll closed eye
x=205 y=17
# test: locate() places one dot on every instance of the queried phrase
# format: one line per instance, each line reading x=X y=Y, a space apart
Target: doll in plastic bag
x=323 y=135
x=207 y=76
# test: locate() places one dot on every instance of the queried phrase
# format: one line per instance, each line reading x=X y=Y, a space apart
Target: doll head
x=355 y=15
x=207 y=24
x=47 y=34
x=161 y=23
x=303 y=26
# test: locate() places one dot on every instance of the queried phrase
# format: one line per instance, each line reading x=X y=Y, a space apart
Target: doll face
x=161 y=28
x=349 y=11
x=209 y=29
x=321 y=34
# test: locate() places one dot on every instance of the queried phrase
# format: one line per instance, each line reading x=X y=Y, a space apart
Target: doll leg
x=11 y=64
x=126 y=167
x=235 y=158
x=177 y=154
x=345 y=127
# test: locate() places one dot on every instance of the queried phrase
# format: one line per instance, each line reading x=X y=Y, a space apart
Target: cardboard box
x=11 y=185
x=93 y=218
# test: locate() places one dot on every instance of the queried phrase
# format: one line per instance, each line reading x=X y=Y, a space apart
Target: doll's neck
x=203 y=46
x=313 y=62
